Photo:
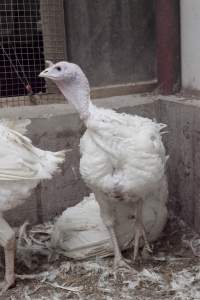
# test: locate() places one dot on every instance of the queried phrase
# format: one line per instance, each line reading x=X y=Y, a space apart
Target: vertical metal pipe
x=168 y=45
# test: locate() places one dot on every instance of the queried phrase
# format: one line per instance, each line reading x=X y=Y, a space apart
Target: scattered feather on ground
x=173 y=272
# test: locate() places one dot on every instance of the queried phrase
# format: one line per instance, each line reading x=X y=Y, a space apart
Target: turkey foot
x=140 y=233
x=120 y=263
x=6 y=284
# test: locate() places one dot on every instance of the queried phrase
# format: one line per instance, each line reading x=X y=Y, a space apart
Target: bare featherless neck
x=77 y=91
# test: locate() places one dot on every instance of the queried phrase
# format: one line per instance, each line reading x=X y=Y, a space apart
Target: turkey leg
x=7 y=241
x=139 y=230
x=108 y=217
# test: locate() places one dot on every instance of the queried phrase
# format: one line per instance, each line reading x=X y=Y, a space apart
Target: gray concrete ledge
x=53 y=110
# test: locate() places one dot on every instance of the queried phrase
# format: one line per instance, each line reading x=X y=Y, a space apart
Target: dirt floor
x=172 y=272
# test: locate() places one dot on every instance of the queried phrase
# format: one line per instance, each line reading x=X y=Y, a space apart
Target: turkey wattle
x=22 y=167
x=122 y=156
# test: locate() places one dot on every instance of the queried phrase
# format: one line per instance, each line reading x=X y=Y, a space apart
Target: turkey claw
x=146 y=252
x=122 y=265
x=5 y=285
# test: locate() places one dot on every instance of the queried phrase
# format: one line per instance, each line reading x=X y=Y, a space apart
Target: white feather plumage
x=80 y=233
x=123 y=150
x=22 y=167
x=122 y=159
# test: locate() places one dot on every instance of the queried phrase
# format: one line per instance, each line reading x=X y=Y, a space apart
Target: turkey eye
x=58 y=69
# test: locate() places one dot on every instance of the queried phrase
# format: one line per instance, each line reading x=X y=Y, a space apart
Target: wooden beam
x=168 y=45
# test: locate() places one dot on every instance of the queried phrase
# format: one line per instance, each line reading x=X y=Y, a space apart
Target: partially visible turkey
x=22 y=167
x=79 y=232
x=123 y=157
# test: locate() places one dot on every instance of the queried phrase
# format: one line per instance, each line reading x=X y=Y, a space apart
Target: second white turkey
x=22 y=167
x=80 y=233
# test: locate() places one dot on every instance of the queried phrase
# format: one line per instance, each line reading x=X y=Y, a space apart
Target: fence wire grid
x=31 y=31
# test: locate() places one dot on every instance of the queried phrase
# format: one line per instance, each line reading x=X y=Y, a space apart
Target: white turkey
x=22 y=167
x=79 y=232
x=122 y=156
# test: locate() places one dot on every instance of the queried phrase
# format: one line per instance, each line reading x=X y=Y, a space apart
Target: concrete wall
x=190 y=43
x=55 y=127
x=183 y=146
x=114 y=37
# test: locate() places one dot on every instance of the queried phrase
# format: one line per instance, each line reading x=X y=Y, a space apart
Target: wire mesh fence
x=30 y=32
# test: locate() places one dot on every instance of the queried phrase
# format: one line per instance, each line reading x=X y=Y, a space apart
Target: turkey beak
x=45 y=73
